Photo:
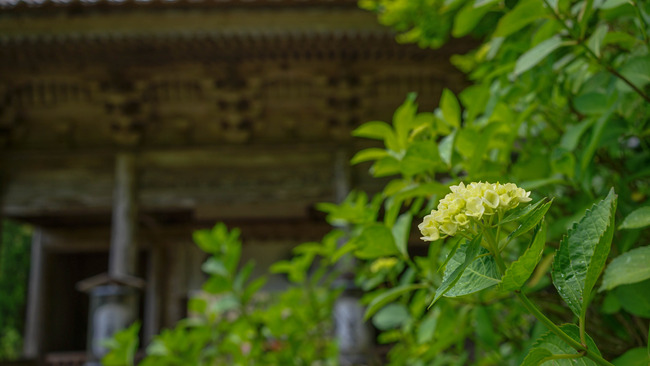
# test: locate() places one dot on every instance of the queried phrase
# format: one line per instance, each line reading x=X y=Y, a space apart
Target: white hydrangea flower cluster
x=470 y=203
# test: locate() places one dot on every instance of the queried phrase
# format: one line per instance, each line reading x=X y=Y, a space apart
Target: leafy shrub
x=233 y=323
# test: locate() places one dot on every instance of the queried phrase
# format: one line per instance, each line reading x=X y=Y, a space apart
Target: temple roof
x=239 y=110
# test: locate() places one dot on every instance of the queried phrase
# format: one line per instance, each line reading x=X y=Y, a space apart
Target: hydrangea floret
x=470 y=204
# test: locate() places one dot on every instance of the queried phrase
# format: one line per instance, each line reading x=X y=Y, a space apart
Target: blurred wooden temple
x=127 y=124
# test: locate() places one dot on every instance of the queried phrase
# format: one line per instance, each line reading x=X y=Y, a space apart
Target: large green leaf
x=523 y=14
x=630 y=267
x=375 y=241
x=536 y=54
x=582 y=254
x=480 y=274
x=637 y=219
x=384 y=298
x=519 y=271
x=469 y=252
x=550 y=344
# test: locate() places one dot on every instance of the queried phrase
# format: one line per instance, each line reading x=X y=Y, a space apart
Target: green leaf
x=634 y=298
x=385 y=167
x=404 y=119
x=636 y=71
x=595 y=42
x=446 y=148
x=455 y=268
x=530 y=220
x=254 y=287
x=610 y=4
x=481 y=148
x=591 y=103
x=377 y=130
x=637 y=219
x=536 y=54
x=375 y=241
x=594 y=141
x=384 y=298
x=630 y=267
x=480 y=274
x=536 y=356
x=468 y=17
x=450 y=108
x=214 y=266
x=243 y=275
x=391 y=316
x=556 y=346
x=523 y=14
x=401 y=231
x=634 y=357
x=522 y=212
x=573 y=134
x=372 y=153
x=123 y=347
x=520 y=271
x=582 y=254
x=621 y=39
x=420 y=157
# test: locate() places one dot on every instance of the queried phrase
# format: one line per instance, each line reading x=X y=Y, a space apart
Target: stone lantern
x=113 y=307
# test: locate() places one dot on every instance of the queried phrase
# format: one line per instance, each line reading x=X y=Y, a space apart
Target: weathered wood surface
x=209 y=184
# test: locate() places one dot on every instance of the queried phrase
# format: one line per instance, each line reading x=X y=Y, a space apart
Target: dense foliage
x=235 y=324
x=14 y=271
x=559 y=106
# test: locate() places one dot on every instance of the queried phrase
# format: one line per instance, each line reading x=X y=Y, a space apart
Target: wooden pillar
x=35 y=299
x=152 y=300
x=124 y=250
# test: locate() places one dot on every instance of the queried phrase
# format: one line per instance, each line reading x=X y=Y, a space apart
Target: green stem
x=582 y=323
x=494 y=249
x=560 y=333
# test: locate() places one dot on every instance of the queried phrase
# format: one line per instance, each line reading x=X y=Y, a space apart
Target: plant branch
x=591 y=53
x=560 y=333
